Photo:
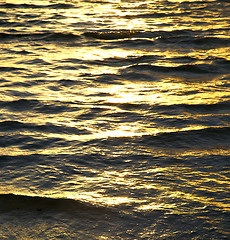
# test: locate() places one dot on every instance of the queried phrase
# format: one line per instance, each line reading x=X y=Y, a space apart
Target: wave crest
x=110 y=35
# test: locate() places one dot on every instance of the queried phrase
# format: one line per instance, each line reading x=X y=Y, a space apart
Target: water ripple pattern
x=114 y=119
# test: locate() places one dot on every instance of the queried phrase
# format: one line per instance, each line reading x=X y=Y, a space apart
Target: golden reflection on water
x=202 y=184
x=166 y=192
x=169 y=91
x=166 y=92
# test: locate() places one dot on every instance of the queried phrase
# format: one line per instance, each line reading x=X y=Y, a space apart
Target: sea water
x=114 y=119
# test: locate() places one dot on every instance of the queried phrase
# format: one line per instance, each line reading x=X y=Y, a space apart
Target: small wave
x=207 y=42
x=61 y=36
x=12 y=202
x=8 y=24
x=21 y=105
x=207 y=138
x=185 y=65
x=185 y=38
x=50 y=128
x=36 y=61
x=221 y=63
x=207 y=108
x=37 y=22
x=37 y=106
x=68 y=82
x=204 y=138
x=110 y=35
x=46 y=36
x=149 y=15
x=169 y=34
x=196 y=69
x=55 y=6
x=61 y=6
x=198 y=108
x=116 y=61
x=211 y=40
x=137 y=42
x=11 y=69
x=28 y=22
x=129 y=106
x=31 y=143
x=20 y=52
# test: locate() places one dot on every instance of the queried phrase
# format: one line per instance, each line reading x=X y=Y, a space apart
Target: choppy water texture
x=114 y=119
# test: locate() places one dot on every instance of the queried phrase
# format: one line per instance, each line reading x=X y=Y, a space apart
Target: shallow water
x=114 y=119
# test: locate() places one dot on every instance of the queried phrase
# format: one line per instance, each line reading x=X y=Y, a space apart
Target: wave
x=12 y=202
x=8 y=24
x=209 y=42
x=144 y=63
x=7 y=126
x=121 y=33
x=185 y=38
x=45 y=36
x=37 y=106
x=208 y=108
x=113 y=34
x=207 y=138
x=204 y=138
x=184 y=41
x=148 y=63
x=196 y=69
x=151 y=15
x=35 y=61
x=20 y=52
x=11 y=69
x=31 y=143
x=193 y=108
x=52 y=6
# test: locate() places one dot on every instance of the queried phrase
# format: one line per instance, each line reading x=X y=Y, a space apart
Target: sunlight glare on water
x=122 y=107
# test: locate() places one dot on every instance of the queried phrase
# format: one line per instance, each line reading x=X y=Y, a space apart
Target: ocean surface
x=114 y=119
